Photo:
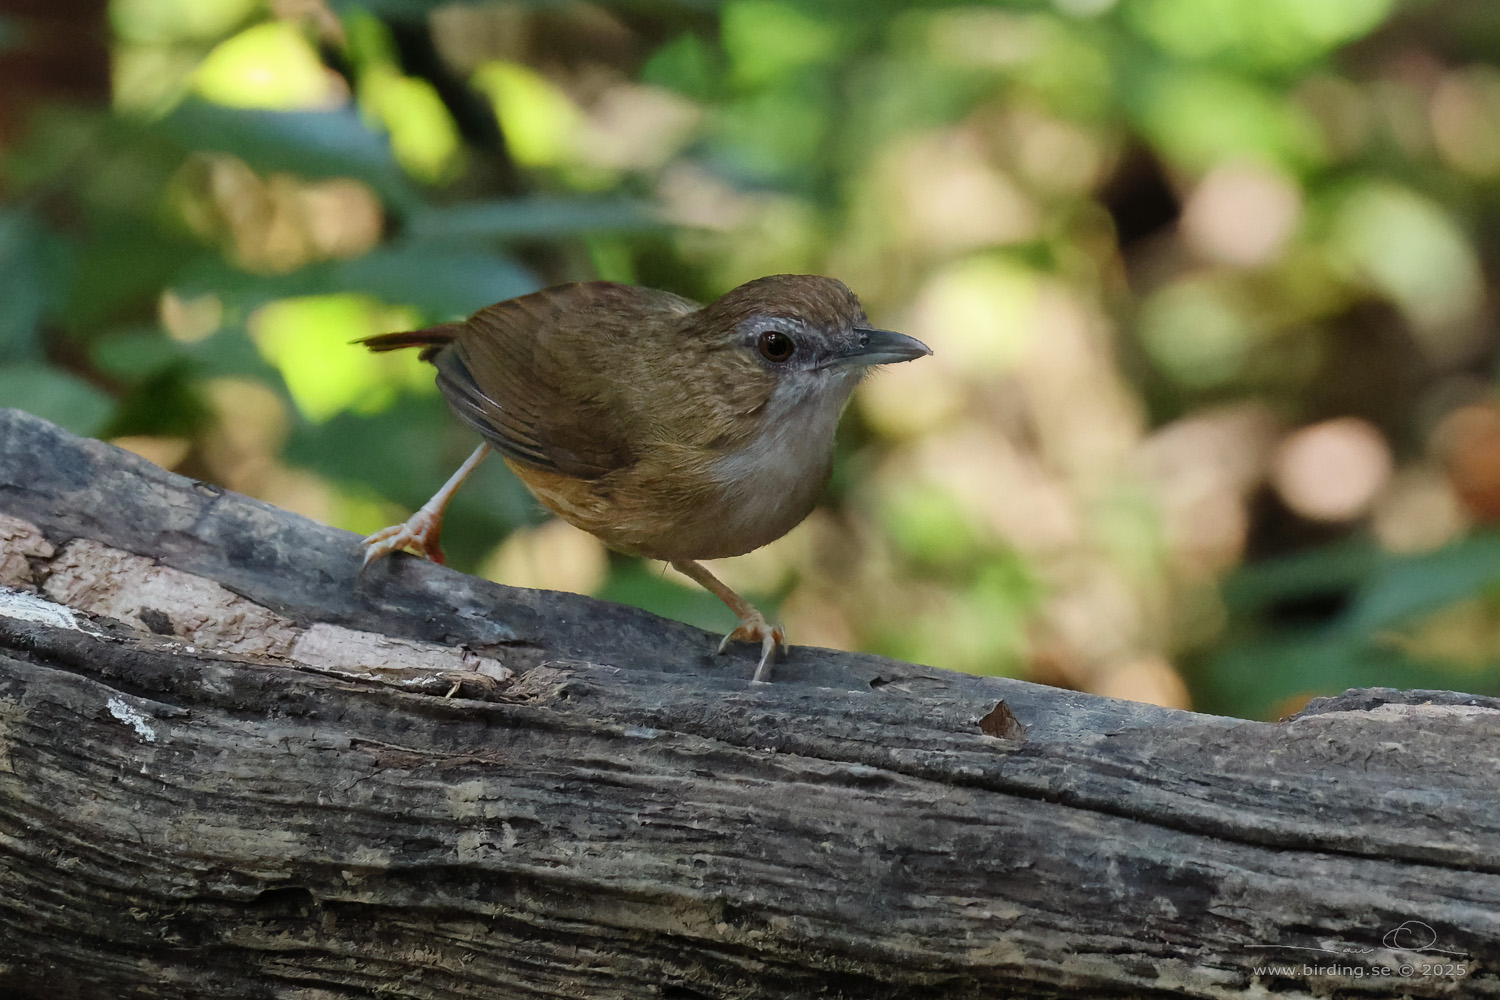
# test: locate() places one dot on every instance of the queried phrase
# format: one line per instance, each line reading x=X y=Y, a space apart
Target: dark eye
x=776 y=346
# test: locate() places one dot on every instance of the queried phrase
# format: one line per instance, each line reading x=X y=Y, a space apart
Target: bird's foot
x=753 y=624
x=754 y=628
x=419 y=532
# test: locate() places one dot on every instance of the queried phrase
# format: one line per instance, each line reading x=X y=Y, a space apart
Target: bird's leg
x=421 y=530
x=753 y=625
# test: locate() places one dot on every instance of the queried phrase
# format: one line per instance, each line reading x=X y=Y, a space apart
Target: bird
x=667 y=429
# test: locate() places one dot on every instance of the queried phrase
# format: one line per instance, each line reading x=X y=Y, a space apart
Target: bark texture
x=229 y=767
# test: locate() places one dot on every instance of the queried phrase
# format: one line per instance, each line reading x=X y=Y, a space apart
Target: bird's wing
x=532 y=374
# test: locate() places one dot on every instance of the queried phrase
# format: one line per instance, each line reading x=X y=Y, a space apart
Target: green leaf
x=1334 y=567
x=1404 y=588
x=33 y=266
x=440 y=282
x=136 y=353
x=1384 y=589
x=1261 y=678
x=688 y=65
x=64 y=399
x=530 y=218
x=120 y=272
x=167 y=403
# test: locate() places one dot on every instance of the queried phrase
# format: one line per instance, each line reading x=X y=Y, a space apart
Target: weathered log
x=230 y=768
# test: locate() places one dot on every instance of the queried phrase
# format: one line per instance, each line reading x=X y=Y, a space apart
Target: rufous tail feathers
x=431 y=340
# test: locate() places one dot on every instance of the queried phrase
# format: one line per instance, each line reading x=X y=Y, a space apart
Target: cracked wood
x=203 y=807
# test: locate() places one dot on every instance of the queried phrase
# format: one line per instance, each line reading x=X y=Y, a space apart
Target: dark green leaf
x=167 y=403
x=53 y=395
x=530 y=218
x=440 y=282
x=1408 y=587
x=33 y=268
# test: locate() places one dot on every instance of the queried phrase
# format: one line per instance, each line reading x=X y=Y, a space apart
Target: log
x=231 y=767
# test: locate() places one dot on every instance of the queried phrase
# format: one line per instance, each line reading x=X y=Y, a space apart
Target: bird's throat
x=768 y=485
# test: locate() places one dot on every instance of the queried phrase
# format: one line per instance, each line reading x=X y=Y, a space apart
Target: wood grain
x=200 y=797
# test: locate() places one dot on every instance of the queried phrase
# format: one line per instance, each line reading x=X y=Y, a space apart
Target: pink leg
x=753 y=625
x=421 y=530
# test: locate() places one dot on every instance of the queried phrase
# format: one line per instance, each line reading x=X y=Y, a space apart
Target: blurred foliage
x=1211 y=418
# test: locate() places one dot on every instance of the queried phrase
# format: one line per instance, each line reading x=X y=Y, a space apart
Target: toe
x=767 y=655
x=758 y=630
x=419 y=533
x=381 y=535
x=377 y=546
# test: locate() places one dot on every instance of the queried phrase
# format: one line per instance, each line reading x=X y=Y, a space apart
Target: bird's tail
x=431 y=340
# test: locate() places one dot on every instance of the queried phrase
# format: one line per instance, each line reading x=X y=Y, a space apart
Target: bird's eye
x=776 y=346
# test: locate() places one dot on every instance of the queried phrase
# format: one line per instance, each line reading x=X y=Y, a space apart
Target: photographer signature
x=1407 y=936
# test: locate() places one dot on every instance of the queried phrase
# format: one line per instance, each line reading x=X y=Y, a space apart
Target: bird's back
x=606 y=404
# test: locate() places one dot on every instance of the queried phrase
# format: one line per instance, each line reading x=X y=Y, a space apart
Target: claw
x=753 y=625
x=421 y=530
x=420 y=533
x=757 y=629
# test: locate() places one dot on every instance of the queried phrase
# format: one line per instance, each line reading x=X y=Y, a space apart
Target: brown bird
x=665 y=429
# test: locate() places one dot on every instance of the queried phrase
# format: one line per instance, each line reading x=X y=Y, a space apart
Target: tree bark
x=232 y=767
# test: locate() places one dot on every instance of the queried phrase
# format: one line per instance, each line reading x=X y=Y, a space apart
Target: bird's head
x=804 y=336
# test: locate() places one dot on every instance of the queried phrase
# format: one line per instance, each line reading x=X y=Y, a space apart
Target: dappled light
x=1332 y=471
x=1242 y=214
x=279 y=223
x=553 y=555
x=1210 y=419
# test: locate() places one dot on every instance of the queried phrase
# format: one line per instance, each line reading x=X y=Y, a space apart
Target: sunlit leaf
x=1411 y=249
x=423 y=135
x=930 y=525
x=1199 y=118
x=767 y=41
x=308 y=339
x=1197 y=333
x=271 y=66
x=986 y=307
x=538 y=118
x=1267 y=33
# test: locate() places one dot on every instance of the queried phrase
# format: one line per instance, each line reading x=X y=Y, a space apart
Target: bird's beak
x=881 y=347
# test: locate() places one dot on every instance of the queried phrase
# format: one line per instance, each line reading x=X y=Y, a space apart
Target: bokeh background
x=1212 y=417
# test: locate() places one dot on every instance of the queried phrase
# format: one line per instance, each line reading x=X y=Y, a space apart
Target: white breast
x=770 y=485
